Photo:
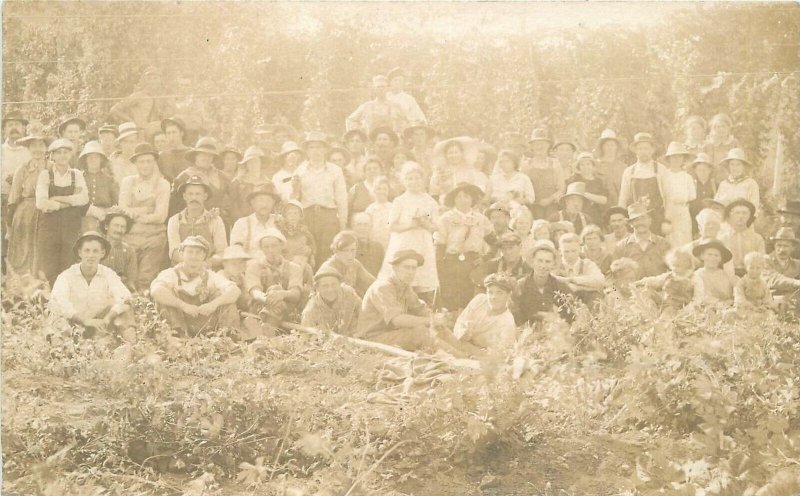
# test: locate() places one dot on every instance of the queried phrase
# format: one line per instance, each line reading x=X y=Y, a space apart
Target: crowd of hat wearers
x=394 y=234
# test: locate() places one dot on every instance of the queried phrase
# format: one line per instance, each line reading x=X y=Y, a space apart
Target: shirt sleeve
x=59 y=297
x=295 y=277
x=462 y=327
x=340 y=194
x=119 y=292
x=443 y=229
x=159 y=215
x=356 y=119
x=528 y=194
x=125 y=192
x=218 y=233
x=167 y=279
x=173 y=235
x=625 y=188
x=238 y=233
x=81 y=195
x=252 y=276
x=42 y=190
x=220 y=282
x=385 y=301
x=591 y=276
x=132 y=269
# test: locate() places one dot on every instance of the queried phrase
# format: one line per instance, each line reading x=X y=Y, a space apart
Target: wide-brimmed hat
x=509 y=238
x=127 y=129
x=144 y=149
x=475 y=192
x=607 y=135
x=409 y=131
x=272 y=232
x=14 y=115
x=315 y=137
x=676 y=148
x=289 y=147
x=327 y=272
x=91 y=235
x=636 y=210
x=384 y=130
x=716 y=244
x=343 y=240
x=469 y=146
x=250 y=153
x=741 y=202
x=195 y=181
x=348 y=134
x=403 y=255
x=108 y=128
x=263 y=129
x=198 y=241
x=642 y=138
x=35 y=136
x=235 y=252
x=565 y=141
x=736 y=154
x=92 y=147
x=231 y=149
x=71 y=120
x=177 y=121
x=264 y=189
x=614 y=210
x=573 y=189
x=205 y=145
x=791 y=207
x=700 y=158
x=540 y=134
x=785 y=234
x=116 y=211
x=60 y=143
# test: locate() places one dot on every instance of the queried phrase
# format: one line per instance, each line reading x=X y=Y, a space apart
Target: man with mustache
x=782 y=271
x=195 y=220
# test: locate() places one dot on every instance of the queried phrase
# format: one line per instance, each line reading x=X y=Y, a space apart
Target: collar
x=398 y=284
x=651 y=164
x=736 y=180
x=634 y=238
x=270 y=220
x=183 y=215
x=181 y=270
x=575 y=266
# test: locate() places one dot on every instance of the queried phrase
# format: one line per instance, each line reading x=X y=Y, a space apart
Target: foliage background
x=476 y=69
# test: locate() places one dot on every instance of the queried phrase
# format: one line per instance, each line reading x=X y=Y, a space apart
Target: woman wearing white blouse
x=508 y=183
x=679 y=190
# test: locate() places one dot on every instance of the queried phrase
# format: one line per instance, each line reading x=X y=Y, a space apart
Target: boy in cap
x=195 y=220
x=486 y=324
x=191 y=297
x=334 y=306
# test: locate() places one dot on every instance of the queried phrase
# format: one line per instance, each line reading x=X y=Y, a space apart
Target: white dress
x=404 y=208
x=679 y=190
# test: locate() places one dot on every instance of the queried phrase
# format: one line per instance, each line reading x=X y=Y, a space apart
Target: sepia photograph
x=400 y=248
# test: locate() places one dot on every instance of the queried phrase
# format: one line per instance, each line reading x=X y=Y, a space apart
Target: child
x=674 y=288
x=751 y=295
x=712 y=284
x=379 y=211
x=486 y=324
x=369 y=252
x=299 y=246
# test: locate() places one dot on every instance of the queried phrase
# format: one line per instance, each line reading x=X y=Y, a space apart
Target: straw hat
x=59 y=144
x=92 y=147
x=469 y=147
x=127 y=129
x=785 y=234
x=35 y=136
x=736 y=154
x=70 y=120
x=251 y=153
x=195 y=181
x=573 y=189
x=677 y=148
x=88 y=236
x=642 y=138
x=205 y=145
x=636 y=210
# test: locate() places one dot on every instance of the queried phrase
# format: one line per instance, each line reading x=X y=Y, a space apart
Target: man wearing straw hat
x=642 y=245
x=642 y=182
x=571 y=203
x=783 y=271
x=121 y=164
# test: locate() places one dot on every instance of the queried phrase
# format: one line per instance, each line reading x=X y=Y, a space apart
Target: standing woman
x=247 y=179
x=596 y=193
x=60 y=196
x=413 y=220
x=611 y=164
x=720 y=141
x=679 y=191
x=22 y=206
x=696 y=129
x=740 y=182
x=545 y=174
x=361 y=193
x=145 y=198
x=508 y=183
x=454 y=163
x=705 y=186
x=103 y=189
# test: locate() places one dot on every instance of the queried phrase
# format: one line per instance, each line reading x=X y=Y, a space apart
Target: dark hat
x=15 y=115
x=315 y=137
x=71 y=120
x=614 y=210
x=403 y=255
x=197 y=241
x=785 y=234
x=409 y=131
x=564 y=141
x=112 y=212
x=177 y=121
x=638 y=209
x=91 y=235
x=343 y=239
x=475 y=192
x=265 y=189
x=501 y=281
x=231 y=149
x=108 y=128
x=327 y=272
x=347 y=135
x=714 y=243
x=144 y=149
x=195 y=181
x=741 y=202
x=204 y=145
x=509 y=238
x=497 y=207
x=384 y=130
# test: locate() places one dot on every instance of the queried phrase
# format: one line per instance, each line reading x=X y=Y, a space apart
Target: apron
x=57 y=232
x=544 y=185
x=647 y=191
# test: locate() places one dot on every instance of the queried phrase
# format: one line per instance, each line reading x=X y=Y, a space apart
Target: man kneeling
x=193 y=298
x=90 y=294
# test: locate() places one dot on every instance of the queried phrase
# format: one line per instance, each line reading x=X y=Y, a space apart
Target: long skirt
x=22 y=238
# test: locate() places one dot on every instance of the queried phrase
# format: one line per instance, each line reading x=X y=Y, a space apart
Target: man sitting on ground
x=486 y=324
x=334 y=306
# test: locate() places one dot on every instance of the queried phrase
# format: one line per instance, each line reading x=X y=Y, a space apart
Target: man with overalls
x=195 y=220
x=642 y=181
x=191 y=297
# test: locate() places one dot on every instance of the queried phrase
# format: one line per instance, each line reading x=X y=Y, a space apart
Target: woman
x=594 y=248
x=486 y=159
x=508 y=183
x=61 y=196
x=103 y=189
x=380 y=211
x=288 y=160
x=696 y=129
x=413 y=220
x=596 y=193
x=739 y=183
x=345 y=263
x=720 y=141
x=454 y=161
x=705 y=185
x=679 y=190
x=611 y=162
x=545 y=175
x=247 y=179
x=361 y=194
x=22 y=207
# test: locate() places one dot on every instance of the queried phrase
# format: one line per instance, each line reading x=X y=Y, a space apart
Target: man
x=195 y=220
x=783 y=271
x=234 y=263
x=90 y=294
x=71 y=129
x=334 y=307
x=499 y=215
x=642 y=246
x=121 y=256
x=13 y=157
x=247 y=231
x=407 y=104
x=191 y=297
x=616 y=221
x=642 y=181
x=322 y=191
x=583 y=276
x=487 y=325
x=376 y=112
x=393 y=314
x=418 y=136
x=160 y=141
x=542 y=296
x=173 y=159
x=274 y=283
x=370 y=253
x=509 y=262
x=741 y=239
x=140 y=106
x=384 y=143
x=202 y=159
x=571 y=203
x=107 y=135
x=121 y=165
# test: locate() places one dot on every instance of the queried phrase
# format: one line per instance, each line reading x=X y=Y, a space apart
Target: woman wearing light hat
x=247 y=179
x=103 y=190
x=610 y=153
x=24 y=216
x=739 y=183
x=61 y=194
x=678 y=187
x=290 y=157
x=545 y=173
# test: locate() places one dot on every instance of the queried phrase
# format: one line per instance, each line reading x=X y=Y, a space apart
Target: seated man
x=191 y=297
x=195 y=220
x=783 y=271
x=234 y=262
x=334 y=306
x=543 y=297
x=121 y=257
x=582 y=275
x=344 y=248
x=486 y=324
x=92 y=295
x=274 y=283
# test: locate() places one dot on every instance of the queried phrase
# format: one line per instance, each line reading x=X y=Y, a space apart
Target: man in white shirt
x=410 y=112
x=378 y=112
x=247 y=231
x=195 y=219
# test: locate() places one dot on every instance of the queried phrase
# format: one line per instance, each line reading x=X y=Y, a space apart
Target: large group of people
x=391 y=233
